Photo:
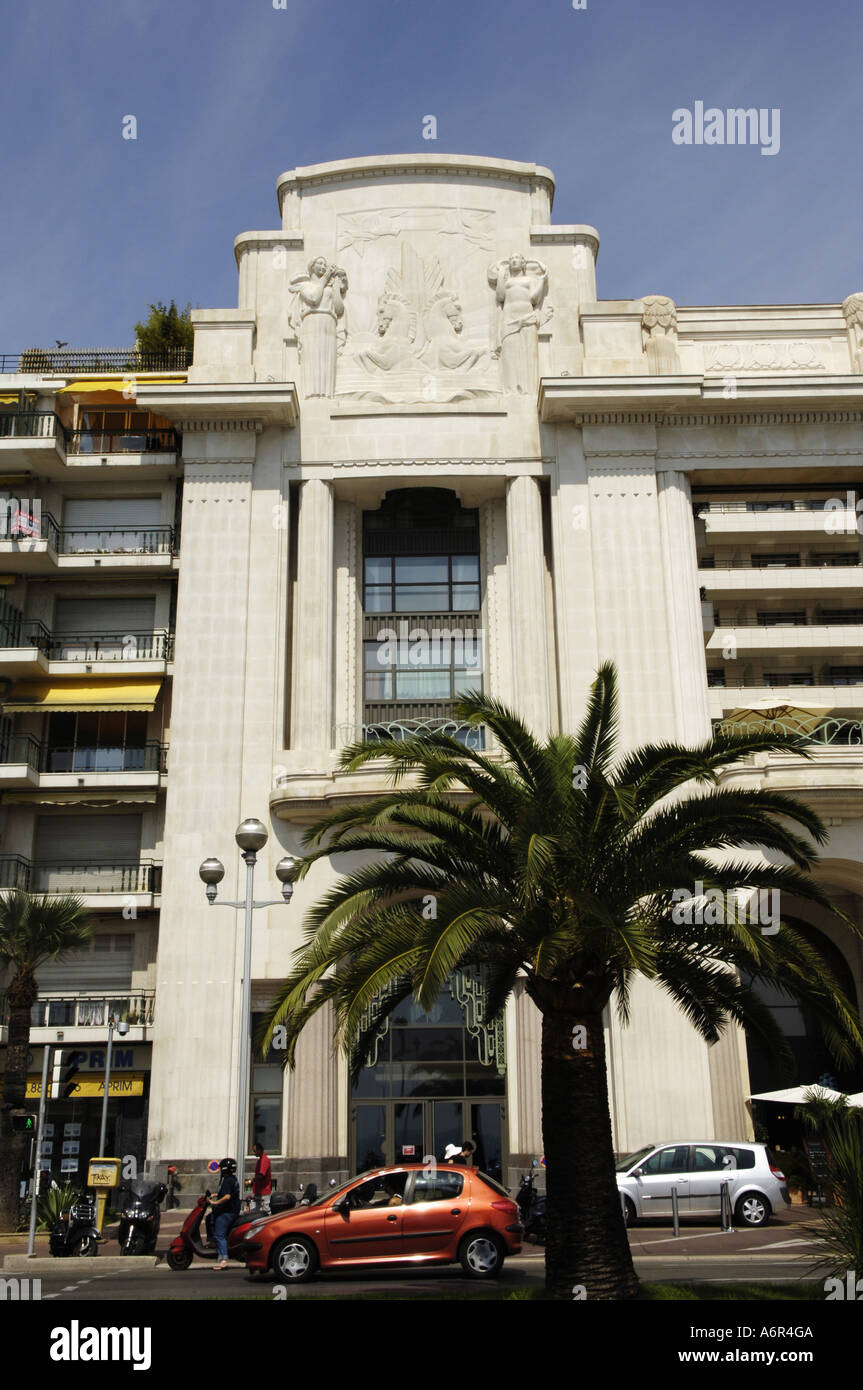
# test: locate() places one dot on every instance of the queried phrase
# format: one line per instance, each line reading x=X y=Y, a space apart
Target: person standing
x=262 y=1182
x=225 y=1206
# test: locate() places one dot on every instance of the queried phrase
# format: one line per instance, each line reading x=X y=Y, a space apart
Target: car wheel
x=295 y=1260
x=481 y=1255
x=179 y=1259
x=628 y=1212
x=752 y=1210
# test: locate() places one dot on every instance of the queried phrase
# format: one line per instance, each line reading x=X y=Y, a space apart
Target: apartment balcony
x=29 y=648
x=813 y=578
x=124 y=453
x=32 y=441
x=818 y=689
x=80 y=1013
x=726 y=521
x=103 y=884
x=417 y=720
x=801 y=634
x=38 y=545
x=26 y=762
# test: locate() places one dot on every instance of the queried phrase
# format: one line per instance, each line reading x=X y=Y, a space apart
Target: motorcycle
x=185 y=1246
x=76 y=1233
x=139 y=1224
x=531 y=1205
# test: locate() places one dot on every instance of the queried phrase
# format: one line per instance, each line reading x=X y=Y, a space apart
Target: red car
x=407 y=1215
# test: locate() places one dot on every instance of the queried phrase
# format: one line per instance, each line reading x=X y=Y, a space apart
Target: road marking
x=775 y=1244
x=664 y=1239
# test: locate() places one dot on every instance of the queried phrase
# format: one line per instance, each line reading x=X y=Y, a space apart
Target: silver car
x=756 y=1185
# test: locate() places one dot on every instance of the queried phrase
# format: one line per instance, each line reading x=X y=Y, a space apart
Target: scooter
x=531 y=1205
x=189 y=1243
x=76 y=1233
x=139 y=1224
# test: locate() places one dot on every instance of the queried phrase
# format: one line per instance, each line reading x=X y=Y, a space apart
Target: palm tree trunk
x=586 y=1246
x=22 y=994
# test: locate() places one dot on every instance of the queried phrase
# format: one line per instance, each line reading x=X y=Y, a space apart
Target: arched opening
x=813 y=1062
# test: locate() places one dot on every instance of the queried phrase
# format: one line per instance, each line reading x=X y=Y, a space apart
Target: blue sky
x=230 y=93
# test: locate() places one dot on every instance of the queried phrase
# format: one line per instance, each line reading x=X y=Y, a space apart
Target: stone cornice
x=245 y=405
x=427 y=164
x=672 y=399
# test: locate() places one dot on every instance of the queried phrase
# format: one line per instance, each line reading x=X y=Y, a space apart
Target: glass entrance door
x=412 y=1131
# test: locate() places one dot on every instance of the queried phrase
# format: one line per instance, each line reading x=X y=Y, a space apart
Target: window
x=769 y=562
x=780 y=619
x=387 y=1190
x=421 y=584
x=104 y=741
x=771 y=678
x=438 y=1187
x=266 y=1089
x=839 y=617
x=844 y=675
x=439 y=666
x=672 y=1160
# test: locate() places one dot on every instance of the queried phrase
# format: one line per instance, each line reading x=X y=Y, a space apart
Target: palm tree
x=840 y=1125
x=33 y=929
x=560 y=861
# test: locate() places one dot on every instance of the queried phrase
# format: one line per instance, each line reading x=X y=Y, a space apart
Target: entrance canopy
x=799 y=1095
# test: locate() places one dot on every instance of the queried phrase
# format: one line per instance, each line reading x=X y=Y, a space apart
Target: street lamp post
x=251 y=836
x=122 y=1028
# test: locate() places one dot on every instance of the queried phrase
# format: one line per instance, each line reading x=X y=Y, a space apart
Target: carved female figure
x=520 y=287
x=318 y=318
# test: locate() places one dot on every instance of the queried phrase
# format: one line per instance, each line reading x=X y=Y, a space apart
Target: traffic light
x=22 y=1123
x=65 y=1069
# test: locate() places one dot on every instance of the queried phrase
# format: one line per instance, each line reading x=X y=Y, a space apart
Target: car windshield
x=629 y=1160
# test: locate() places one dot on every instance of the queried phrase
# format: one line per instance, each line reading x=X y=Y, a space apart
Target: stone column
x=680 y=569
x=315 y=1101
x=312 y=647
x=527 y=595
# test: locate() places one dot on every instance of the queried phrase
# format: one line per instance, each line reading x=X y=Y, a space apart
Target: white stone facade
x=420 y=322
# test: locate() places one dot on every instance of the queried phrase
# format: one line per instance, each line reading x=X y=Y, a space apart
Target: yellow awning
x=9 y=400
x=75 y=696
x=116 y=387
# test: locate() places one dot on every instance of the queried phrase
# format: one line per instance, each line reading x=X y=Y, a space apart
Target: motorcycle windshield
x=143 y=1189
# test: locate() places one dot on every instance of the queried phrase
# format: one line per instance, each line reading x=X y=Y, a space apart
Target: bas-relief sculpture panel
x=428 y=317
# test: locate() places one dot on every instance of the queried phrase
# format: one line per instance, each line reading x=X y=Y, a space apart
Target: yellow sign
x=91 y=1085
x=103 y=1172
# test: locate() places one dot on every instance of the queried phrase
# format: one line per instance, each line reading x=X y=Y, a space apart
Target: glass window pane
x=422 y=569
x=267 y=1122
x=423 y=685
x=378 y=685
x=415 y=598
x=465 y=568
x=467 y=681
x=445 y=1009
x=427 y=1044
x=267 y=1078
x=465 y=598
x=371 y=1137
x=378 y=600
x=376 y=655
x=378 y=569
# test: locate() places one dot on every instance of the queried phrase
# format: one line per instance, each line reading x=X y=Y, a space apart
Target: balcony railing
x=42 y=757
x=849 y=559
x=77 y=876
x=87 y=646
x=116 y=540
x=88 y=1010
x=836 y=732
x=129 y=359
x=817 y=504
x=32 y=424
x=151 y=441
x=471 y=735
x=85 y=540
x=834 y=618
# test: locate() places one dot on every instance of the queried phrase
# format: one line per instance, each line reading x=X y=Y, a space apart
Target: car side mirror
x=637 y=1173
x=341 y=1204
